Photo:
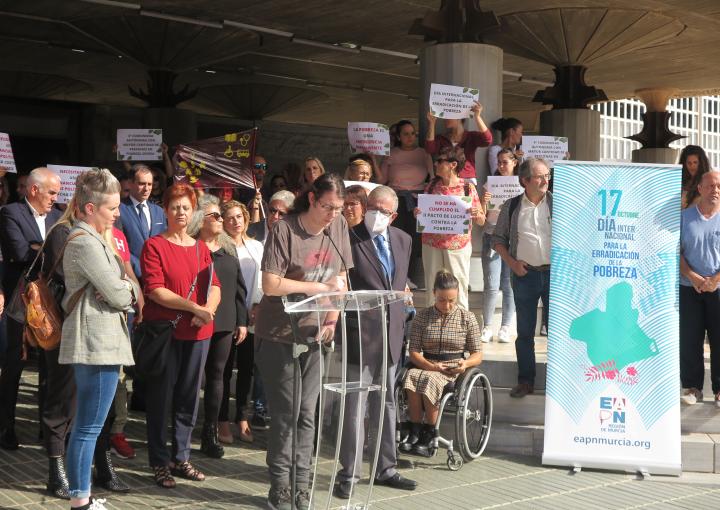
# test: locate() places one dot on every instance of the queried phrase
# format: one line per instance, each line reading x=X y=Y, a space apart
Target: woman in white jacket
x=236 y=220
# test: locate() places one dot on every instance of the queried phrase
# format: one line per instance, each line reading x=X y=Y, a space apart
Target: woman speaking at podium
x=307 y=252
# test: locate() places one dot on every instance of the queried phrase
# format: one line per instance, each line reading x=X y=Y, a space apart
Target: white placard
x=502 y=188
x=67 y=174
x=369 y=137
x=451 y=102
x=550 y=148
x=7 y=159
x=444 y=214
x=139 y=144
x=369 y=186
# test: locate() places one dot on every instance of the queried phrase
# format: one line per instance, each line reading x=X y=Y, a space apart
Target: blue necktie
x=384 y=256
x=143 y=221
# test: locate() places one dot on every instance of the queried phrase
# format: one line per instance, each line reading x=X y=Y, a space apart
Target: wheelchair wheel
x=401 y=409
x=474 y=416
x=454 y=461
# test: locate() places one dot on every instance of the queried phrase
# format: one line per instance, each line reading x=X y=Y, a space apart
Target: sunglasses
x=216 y=216
x=261 y=166
x=276 y=211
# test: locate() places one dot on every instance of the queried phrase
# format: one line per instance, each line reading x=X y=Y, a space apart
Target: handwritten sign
x=139 y=144
x=68 y=175
x=451 y=102
x=7 y=159
x=444 y=214
x=502 y=188
x=550 y=148
x=369 y=137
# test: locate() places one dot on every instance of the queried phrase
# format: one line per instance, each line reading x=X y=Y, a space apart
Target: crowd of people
x=209 y=268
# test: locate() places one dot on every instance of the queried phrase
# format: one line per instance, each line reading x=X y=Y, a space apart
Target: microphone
x=326 y=231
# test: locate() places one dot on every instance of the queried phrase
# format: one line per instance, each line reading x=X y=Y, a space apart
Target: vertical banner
x=613 y=365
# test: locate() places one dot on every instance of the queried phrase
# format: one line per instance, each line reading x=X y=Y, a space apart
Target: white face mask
x=376 y=222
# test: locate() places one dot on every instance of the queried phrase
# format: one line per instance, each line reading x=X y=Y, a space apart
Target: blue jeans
x=528 y=289
x=496 y=276
x=96 y=385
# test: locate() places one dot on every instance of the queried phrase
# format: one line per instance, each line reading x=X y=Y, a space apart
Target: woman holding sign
x=497 y=275
x=456 y=136
x=450 y=251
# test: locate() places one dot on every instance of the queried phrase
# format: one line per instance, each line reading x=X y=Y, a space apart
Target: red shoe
x=120 y=447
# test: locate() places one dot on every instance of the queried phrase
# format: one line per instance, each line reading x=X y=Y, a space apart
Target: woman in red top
x=170 y=263
x=456 y=136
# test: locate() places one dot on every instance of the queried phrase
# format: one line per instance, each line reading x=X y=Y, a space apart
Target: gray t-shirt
x=290 y=252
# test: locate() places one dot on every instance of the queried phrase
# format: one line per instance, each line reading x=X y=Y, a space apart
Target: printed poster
x=444 y=214
x=549 y=148
x=613 y=384
x=68 y=175
x=139 y=144
x=502 y=188
x=452 y=102
x=369 y=137
x=7 y=160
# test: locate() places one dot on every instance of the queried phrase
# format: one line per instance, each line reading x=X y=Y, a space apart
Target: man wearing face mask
x=381 y=256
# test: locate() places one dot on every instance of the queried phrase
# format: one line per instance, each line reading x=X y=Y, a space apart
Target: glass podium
x=352 y=303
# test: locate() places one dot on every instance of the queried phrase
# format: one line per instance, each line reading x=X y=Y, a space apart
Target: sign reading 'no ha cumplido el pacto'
x=613 y=370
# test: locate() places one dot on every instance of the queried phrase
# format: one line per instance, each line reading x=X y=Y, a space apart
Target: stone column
x=466 y=65
x=656 y=135
x=580 y=125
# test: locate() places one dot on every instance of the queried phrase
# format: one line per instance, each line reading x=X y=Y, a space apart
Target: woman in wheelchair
x=439 y=337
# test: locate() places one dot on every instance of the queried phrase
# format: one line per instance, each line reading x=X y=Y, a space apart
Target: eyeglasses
x=261 y=166
x=276 y=211
x=383 y=211
x=216 y=216
x=330 y=208
x=543 y=177
x=352 y=203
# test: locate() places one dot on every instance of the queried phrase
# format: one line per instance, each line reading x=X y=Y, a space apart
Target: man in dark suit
x=381 y=256
x=140 y=219
x=23 y=227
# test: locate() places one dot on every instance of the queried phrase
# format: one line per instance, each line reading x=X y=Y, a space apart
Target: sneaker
x=280 y=498
x=302 y=499
x=504 y=335
x=96 y=504
x=543 y=330
x=120 y=447
x=692 y=396
x=717 y=399
x=486 y=335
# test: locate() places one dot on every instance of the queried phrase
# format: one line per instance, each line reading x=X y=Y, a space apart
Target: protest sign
x=549 y=148
x=67 y=174
x=369 y=186
x=7 y=159
x=451 y=102
x=444 y=214
x=502 y=188
x=139 y=144
x=369 y=137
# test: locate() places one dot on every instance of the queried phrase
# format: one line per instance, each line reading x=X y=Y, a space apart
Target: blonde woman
x=312 y=170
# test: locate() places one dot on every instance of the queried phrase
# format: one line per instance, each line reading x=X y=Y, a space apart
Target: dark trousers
x=353 y=438
x=527 y=291
x=699 y=313
x=244 y=354
x=276 y=367
x=217 y=359
x=177 y=390
x=10 y=373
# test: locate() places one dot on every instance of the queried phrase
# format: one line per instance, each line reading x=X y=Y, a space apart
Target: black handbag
x=153 y=339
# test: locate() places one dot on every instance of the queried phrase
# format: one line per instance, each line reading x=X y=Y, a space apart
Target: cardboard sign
x=502 y=188
x=451 y=102
x=7 y=159
x=139 y=144
x=549 y=148
x=444 y=214
x=369 y=137
x=68 y=175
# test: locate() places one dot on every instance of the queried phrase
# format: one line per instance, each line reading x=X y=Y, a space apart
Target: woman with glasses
x=456 y=136
x=450 y=251
x=249 y=252
x=231 y=317
x=307 y=253
x=360 y=168
x=355 y=205
x=407 y=170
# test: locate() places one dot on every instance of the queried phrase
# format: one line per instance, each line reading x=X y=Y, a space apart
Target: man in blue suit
x=23 y=227
x=141 y=219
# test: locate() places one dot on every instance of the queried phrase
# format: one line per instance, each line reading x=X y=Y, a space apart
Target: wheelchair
x=469 y=401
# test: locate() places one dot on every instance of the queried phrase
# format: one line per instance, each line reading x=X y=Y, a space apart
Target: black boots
x=210 y=445
x=105 y=475
x=424 y=446
x=58 y=484
x=412 y=438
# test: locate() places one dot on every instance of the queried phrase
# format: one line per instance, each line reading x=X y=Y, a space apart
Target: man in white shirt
x=522 y=239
